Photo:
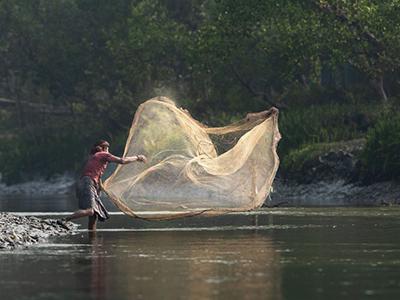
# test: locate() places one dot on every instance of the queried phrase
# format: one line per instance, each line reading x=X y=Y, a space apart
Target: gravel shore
x=20 y=231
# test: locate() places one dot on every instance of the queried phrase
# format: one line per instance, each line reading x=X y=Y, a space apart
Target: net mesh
x=194 y=169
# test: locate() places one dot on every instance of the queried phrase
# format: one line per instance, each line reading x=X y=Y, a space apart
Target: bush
x=25 y=157
x=327 y=123
x=45 y=151
x=380 y=159
x=296 y=160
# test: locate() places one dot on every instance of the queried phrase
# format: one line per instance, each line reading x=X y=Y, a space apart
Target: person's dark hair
x=97 y=147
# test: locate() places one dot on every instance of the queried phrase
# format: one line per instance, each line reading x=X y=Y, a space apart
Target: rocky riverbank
x=21 y=231
x=333 y=193
x=329 y=175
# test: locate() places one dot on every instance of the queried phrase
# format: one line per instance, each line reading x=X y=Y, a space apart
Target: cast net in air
x=194 y=169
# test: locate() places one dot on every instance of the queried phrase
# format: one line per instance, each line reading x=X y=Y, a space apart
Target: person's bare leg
x=80 y=214
x=92 y=222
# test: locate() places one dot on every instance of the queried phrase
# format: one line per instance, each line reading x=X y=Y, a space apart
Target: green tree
x=365 y=34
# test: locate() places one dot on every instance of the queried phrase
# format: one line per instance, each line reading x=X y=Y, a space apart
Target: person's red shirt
x=97 y=163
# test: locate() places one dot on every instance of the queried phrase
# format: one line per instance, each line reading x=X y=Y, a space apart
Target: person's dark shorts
x=87 y=193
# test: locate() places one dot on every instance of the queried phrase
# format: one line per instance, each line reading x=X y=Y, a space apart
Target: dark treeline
x=73 y=71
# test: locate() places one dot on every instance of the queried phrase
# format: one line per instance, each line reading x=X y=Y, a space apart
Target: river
x=280 y=253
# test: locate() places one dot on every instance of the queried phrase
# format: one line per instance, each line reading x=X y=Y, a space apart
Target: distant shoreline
x=285 y=193
x=58 y=185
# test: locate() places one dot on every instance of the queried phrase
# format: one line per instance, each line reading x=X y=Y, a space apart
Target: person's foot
x=63 y=224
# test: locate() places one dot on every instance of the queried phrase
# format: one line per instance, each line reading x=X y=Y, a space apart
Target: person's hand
x=142 y=158
x=274 y=110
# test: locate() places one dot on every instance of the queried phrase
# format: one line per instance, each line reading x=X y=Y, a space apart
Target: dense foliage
x=73 y=71
x=381 y=157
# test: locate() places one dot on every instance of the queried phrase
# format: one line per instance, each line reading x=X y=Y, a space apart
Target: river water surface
x=280 y=253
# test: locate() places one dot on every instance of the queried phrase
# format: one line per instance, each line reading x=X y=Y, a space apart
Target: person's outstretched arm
x=124 y=160
x=130 y=159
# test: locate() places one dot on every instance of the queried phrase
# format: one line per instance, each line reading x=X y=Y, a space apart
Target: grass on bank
x=371 y=132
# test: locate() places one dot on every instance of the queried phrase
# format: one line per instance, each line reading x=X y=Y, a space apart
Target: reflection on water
x=98 y=274
x=168 y=265
x=276 y=254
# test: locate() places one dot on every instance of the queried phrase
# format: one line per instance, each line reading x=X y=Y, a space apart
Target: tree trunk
x=381 y=89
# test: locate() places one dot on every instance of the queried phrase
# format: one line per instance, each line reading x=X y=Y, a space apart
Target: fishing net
x=194 y=169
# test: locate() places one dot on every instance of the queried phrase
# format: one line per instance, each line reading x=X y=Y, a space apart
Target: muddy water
x=294 y=253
